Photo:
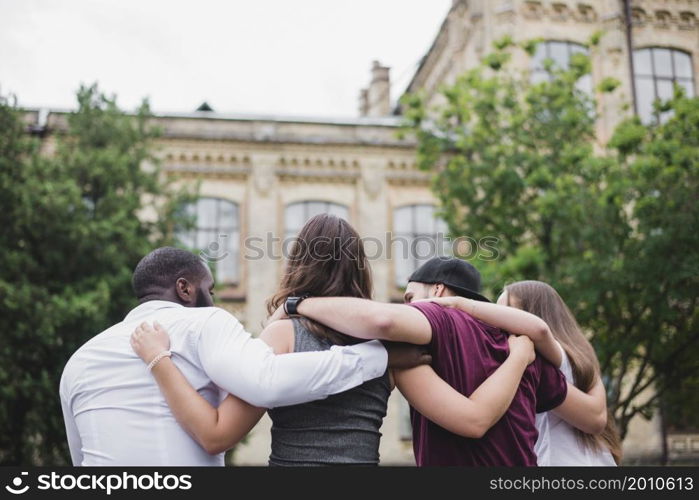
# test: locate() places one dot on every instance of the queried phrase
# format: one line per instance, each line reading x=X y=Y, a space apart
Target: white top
x=557 y=443
x=116 y=415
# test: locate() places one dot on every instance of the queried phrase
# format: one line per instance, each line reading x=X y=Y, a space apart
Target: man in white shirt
x=116 y=415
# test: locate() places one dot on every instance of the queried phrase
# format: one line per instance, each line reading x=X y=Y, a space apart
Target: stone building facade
x=261 y=177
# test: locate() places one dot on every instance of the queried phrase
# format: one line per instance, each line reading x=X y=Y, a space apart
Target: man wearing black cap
x=444 y=276
x=466 y=354
x=464 y=350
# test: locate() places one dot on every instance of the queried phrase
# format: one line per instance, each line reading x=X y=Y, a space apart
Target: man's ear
x=438 y=290
x=185 y=291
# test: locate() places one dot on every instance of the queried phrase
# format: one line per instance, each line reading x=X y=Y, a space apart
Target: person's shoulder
x=279 y=335
x=446 y=320
x=206 y=314
x=565 y=367
x=453 y=314
x=96 y=341
x=547 y=373
x=543 y=364
x=75 y=366
x=217 y=319
x=430 y=308
x=68 y=375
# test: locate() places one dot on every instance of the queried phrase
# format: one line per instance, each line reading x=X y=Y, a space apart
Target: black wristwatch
x=292 y=303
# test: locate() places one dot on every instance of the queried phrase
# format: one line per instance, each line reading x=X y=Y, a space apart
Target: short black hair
x=160 y=269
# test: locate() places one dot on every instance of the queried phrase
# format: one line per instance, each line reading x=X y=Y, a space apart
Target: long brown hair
x=542 y=300
x=326 y=260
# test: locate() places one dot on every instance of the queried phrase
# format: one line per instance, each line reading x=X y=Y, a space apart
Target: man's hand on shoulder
x=402 y=355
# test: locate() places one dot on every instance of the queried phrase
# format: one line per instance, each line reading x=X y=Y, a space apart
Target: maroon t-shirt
x=465 y=352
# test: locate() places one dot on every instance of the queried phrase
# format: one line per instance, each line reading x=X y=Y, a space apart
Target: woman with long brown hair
x=328 y=260
x=559 y=442
x=580 y=432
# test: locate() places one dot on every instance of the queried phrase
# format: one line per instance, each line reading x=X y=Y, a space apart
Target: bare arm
x=512 y=320
x=468 y=417
x=366 y=319
x=215 y=429
x=585 y=411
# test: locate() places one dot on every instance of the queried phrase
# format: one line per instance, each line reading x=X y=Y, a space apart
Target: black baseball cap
x=457 y=274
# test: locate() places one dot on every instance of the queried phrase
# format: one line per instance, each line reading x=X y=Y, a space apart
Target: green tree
x=75 y=221
x=658 y=275
x=519 y=161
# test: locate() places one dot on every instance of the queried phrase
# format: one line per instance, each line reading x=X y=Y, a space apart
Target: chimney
x=376 y=99
x=363 y=102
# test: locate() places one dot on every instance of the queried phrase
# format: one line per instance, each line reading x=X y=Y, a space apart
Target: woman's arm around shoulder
x=510 y=319
x=586 y=411
x=215 y=429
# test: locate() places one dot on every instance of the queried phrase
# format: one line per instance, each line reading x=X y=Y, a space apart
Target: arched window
x=418 y=235
x=656 y=70
x=216 y=235
x=297 y=214
x=560 y=53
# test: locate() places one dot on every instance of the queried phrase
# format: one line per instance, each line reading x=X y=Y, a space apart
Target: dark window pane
x=665 y=89
x=642 y=63
x=656 y=71
x=662 y=61
x=584 y=84
x=216 y=235
x=645 y=95
x=539 y=56
x=683 y=64
x=402 y=220
x=418 y=236
x=293 y=215
x=338 y=210
x=228 y=214
x=226 y=268
x=540 y=76
x=206 y=213
x=688 y=87
x=558 y=51
x=577 y=49
x=297 y=214
x=424 y=219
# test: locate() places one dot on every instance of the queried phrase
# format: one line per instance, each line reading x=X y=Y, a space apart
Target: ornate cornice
x=664 y=18
x=401 y=173
x=662 y=15
x=214 y=171
x=317 y=169
x=306 y=176
x=559 y=11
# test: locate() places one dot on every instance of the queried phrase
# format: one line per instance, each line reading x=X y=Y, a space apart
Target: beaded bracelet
x=164 y=354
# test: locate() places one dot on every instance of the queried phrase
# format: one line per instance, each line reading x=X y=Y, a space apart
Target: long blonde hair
x=542 y=300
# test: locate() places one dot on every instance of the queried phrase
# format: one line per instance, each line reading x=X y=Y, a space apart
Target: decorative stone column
x=373 y=216
x=262 y=224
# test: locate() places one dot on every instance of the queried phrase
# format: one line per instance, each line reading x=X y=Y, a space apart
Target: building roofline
x=382 y=121
x=423 y=59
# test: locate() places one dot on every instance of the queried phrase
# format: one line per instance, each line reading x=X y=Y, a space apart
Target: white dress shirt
x=115 y=413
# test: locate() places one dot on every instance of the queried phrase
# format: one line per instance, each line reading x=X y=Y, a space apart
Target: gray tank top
x=341 y=429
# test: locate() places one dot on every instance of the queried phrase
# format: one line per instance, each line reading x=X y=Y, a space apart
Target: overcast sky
x=293 y=57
